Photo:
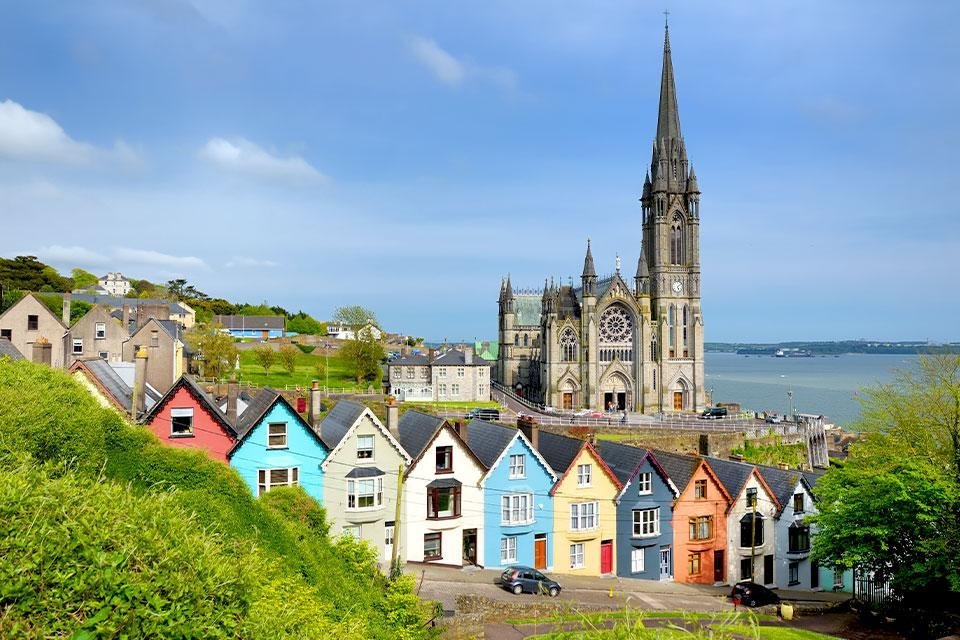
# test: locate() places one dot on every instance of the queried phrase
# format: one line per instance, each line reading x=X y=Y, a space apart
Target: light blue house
x=517 y=505
x=644 y=512
x=276 y=447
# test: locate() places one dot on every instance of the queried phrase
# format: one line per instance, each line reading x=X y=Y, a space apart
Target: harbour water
x=825 y=385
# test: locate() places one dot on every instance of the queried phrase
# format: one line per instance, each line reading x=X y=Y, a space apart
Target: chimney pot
x=42 y=351
x=313 y=412
x=67 y=297
x=393 y=417
x=233 y=394
x=138 y=399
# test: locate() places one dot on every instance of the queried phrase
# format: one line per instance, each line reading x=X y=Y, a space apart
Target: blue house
x=644 y=512
x=260 y=327
x=276 y=447
x=517 y=505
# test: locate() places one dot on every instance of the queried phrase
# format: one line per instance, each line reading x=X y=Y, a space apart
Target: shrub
x=306 y=348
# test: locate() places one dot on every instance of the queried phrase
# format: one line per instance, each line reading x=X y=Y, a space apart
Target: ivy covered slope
x=106 y=533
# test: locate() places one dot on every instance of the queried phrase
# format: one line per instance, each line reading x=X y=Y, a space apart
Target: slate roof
x=335 y=426
x=7 y=349
x=116 y=302
x=622 y=459
x=411 y=360
x=250 y=322
x=416 y=428
x=679 y=467
x=458 y=358
x=364 y=472
x=487 y=440
x=782 y=482
x=527 y=307
x=255 y=411
x=732 y=475
x=558 y=451
x=195 y=390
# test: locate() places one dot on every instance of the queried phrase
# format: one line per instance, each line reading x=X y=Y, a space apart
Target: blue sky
x=404 y=156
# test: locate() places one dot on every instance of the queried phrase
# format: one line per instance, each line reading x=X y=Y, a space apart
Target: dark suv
x=483 y=413
x=753 y=594
x=519 y=579
x=714 y=413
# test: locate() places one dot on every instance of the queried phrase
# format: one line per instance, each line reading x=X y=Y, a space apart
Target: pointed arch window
x=526 y=340
x=685 y=319
x=671 y=329
x=568 y=345
x=676 y=239
x=653 y=349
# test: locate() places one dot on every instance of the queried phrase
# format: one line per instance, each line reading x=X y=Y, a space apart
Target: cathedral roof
x=527 y=307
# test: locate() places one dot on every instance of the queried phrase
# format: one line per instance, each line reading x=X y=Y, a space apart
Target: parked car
x=753 y=594
x=774 y=419
x=714 y=413
x=520 y=579
x=484 y=413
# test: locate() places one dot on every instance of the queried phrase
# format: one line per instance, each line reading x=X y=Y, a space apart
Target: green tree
x=83 y=279
x=216 y=348
x=305 y=324
x=894 y=507
x=288 y=357
x=355 y=316
x=266 y=356
x=364 y=354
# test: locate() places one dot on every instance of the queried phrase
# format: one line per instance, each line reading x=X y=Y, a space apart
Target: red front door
x=606 y=556
x=540 y=553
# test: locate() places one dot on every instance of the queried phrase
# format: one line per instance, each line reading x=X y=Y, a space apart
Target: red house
x=187 y=417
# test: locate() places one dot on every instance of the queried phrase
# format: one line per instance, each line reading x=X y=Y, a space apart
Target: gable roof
x=488 y=441
x=444 y=425
x=201 y=396
x=258 y=408
x=782 y=483
x=625 y=461
x=7 y=349
x=734 y=475
x=414 y=360
x=559 y=451
x=39 y=302
x=458 y=358
x=416 y=429
x=679 y=467
x=596 y=456
x=343 y=418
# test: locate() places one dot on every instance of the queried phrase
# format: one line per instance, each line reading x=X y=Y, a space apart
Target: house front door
x=606 y=556
x=470 y=546
x=678 y=400
x=665 y=563
x=540 y=551
x=718 y=565
x=768 y=569
x=814 y=575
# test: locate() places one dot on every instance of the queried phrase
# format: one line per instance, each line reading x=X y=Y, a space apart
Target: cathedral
x=609 y=344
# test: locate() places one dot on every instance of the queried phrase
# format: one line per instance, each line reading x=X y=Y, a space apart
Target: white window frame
x=637 y=560
x=442 y=372
x=77 y=346
x=648 y=521
x=645 y=483
x=104 y=355
x=576 y=555
x=271 y=435
x=181 y=412
x=508 y=549
x=584 y=516
x=454 y=389
x=361 y=449
x=516 y=508
x=100 y=330
x=518 y=466
x=460 y=372
x=265 y=480
x=389 y=533
x=371 y=488
x=584 y=475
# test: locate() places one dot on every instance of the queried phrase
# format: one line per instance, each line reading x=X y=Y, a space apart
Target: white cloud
x=453 y=72
x=31 y=135
x=72 y=255
x=157 y=259
x=251 y=262
x=243 y=156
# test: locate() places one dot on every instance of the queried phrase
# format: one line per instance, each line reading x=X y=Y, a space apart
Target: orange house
x=700 y=528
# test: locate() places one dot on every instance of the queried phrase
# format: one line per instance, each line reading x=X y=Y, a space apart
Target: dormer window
x=364 y=447
x=584 y=475
x=445 y=459
x=100 y=330
x=277 y=435
x=645 y=483
x=181 y=422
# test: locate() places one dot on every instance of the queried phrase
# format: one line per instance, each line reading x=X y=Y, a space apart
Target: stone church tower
x=607 y=344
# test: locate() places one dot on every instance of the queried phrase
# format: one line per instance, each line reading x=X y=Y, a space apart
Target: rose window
x=616 y=335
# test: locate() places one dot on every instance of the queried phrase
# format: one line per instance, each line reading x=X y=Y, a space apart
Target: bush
x=306 y=348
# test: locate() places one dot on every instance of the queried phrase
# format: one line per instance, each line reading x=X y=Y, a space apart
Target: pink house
x=187 y=417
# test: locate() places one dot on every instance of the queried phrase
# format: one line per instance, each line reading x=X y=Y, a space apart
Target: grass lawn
x=337 y=376
x=451 y=406
x=596 y=617
x=771 y=633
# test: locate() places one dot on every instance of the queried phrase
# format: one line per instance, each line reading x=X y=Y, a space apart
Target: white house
x=794 y=535
x=344 y=332
x=456 y=375
x=115 y=284
x=442 y=497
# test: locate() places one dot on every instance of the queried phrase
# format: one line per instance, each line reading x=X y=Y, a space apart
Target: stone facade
x=115 y=284
x=96 y=335
x=27 y=321
x=456 y=375
x=608 y=344
x=165 y=352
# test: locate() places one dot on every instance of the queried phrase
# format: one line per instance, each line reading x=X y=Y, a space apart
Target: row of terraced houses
x=494 y=495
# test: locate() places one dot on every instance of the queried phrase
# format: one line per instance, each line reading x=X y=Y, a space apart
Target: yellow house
x=585 y=516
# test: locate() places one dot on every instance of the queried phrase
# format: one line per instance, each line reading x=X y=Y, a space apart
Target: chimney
x=530 y=429
x=233 y=392
x=126 y=318
x=783 y=466
x=66 y=308
x=42 y=351
x=137 y=400
x=736 y=457
x=703 y=444
x=393 y=417
x=460 y=426
x=592 y=438
x=432 y=353
x=313 y=411
x=468 y=355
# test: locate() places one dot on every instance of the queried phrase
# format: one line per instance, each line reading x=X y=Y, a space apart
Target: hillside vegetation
x=106 y=533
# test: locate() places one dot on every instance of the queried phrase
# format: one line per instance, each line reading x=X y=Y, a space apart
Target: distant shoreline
x=813 y=349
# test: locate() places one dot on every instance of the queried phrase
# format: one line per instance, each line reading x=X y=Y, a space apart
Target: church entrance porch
x=567 y=401
x=615 y=401
x=615 y=393
x=678 y=400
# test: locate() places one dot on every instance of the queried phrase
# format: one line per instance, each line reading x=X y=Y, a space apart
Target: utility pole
x=394 y=561
x=753 y=539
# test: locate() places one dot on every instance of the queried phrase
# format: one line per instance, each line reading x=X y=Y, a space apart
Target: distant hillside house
x=115 y=284
x=344 y=332
x=456 y=375
x=262 y=327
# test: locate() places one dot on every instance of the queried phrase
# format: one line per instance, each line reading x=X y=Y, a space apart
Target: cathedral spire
x=668 y=118
x=509 y=291
x=589 y=271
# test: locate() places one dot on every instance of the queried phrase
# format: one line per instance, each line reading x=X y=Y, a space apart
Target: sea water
x=828 y=385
